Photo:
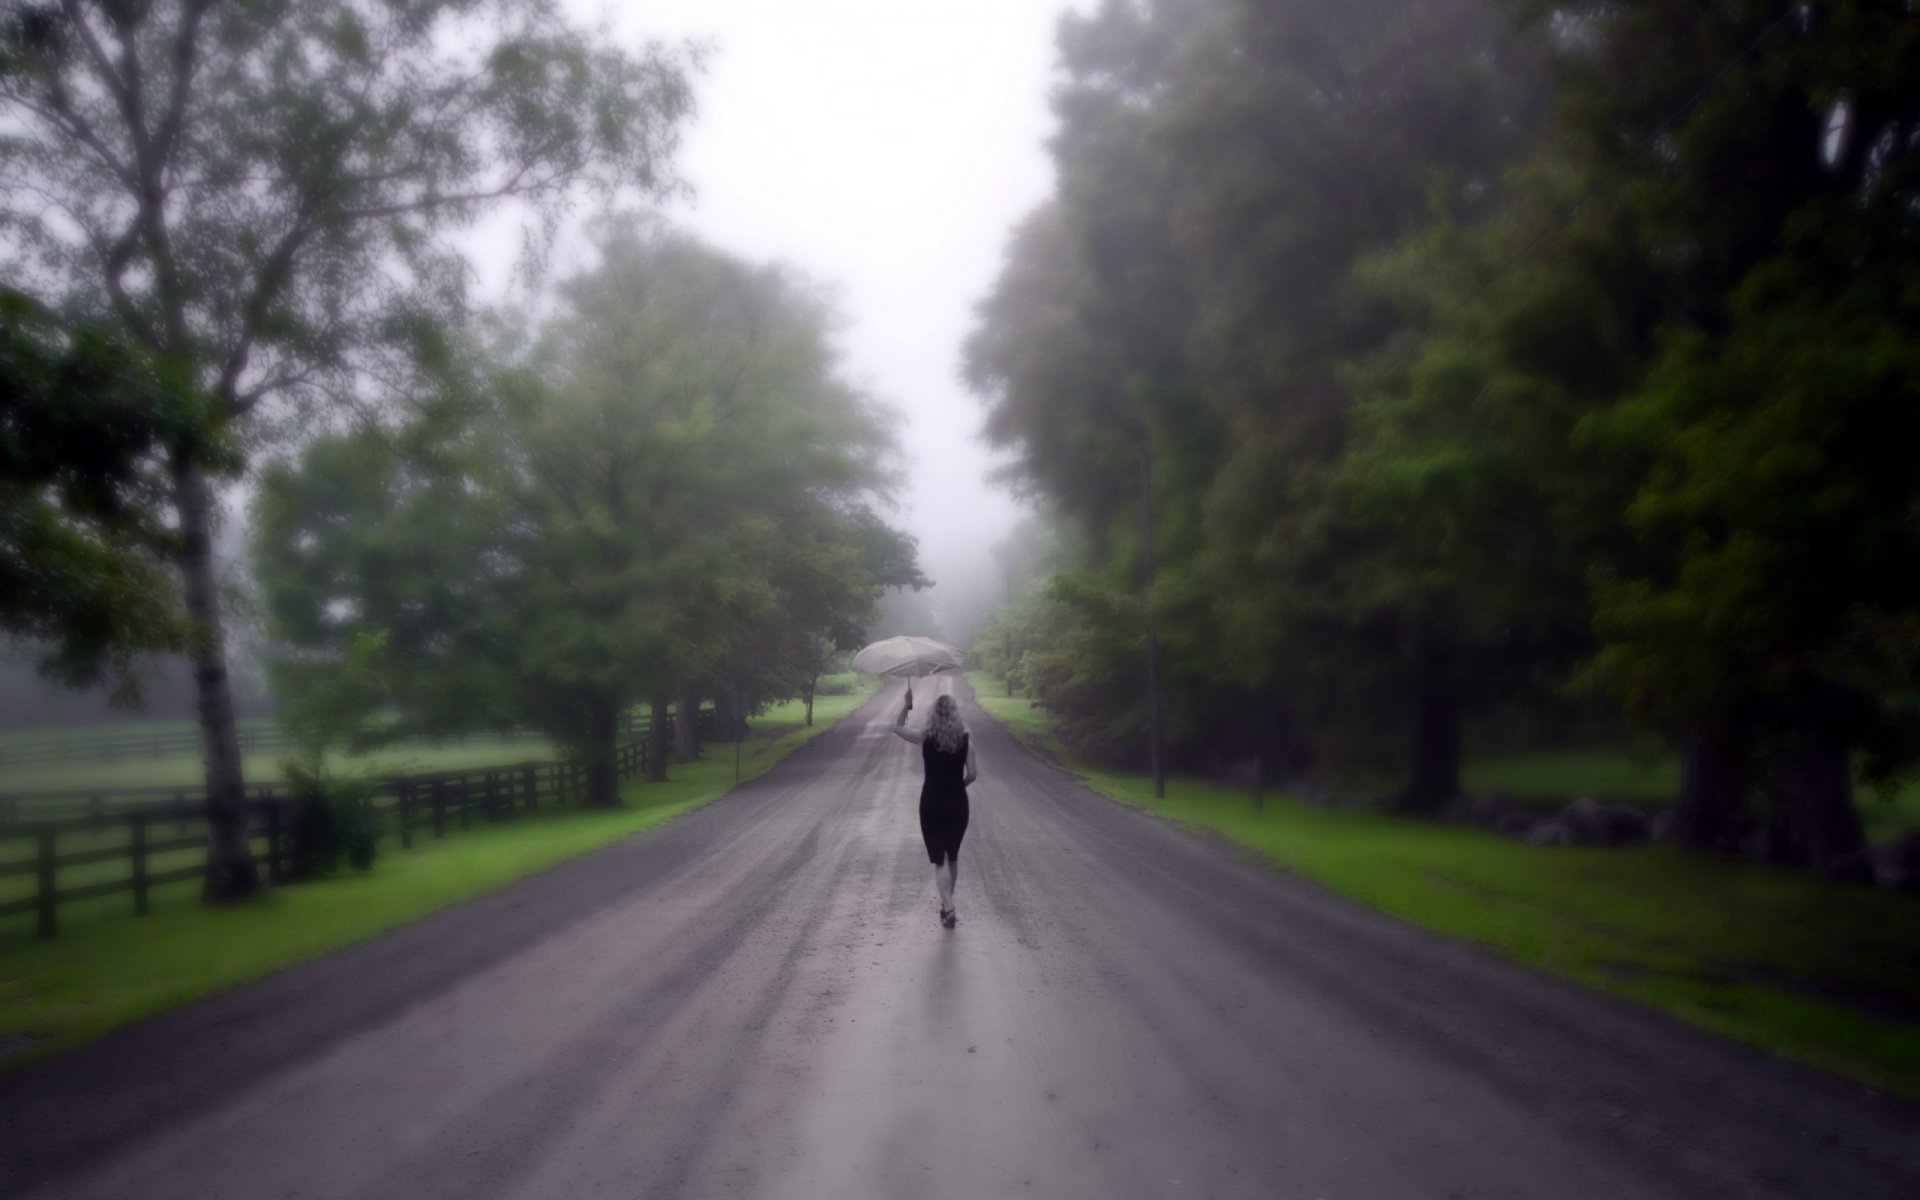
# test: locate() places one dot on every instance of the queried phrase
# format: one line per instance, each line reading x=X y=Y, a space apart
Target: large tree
x=1311 y=136
x=1462 y=515
x=259 y=191
x=1762 y=162
x=672 y=483
x=1183 y=320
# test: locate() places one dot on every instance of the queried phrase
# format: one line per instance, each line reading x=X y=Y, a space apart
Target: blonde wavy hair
x=944 y=727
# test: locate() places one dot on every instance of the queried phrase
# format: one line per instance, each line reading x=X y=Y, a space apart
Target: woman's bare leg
x=943 y=880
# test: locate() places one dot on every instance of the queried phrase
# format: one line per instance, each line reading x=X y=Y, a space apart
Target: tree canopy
x=1482 y=353
x=670 y=482
x=258 y=192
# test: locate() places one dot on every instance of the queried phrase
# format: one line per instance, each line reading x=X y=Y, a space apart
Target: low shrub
x=333 y=820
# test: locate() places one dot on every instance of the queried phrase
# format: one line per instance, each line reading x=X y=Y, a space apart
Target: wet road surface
x=756 y=1000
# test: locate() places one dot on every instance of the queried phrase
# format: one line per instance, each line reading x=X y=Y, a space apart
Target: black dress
x=943 y=800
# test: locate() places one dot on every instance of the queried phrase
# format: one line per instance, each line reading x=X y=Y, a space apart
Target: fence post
x=139 y=818
x=406 y=816
x=466 y=802
x=276 y=869
x=47 y=895
x=439 y=808
x=533 y=785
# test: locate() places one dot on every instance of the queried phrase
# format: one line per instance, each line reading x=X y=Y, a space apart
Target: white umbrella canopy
x=912 y=657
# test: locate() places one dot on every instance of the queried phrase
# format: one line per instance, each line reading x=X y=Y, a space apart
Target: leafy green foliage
x=1184 y=317
x=667 y=482
x=259 y=188
x=1782 y=479
x=334 y=821
x=86 y=421
x=1469 y=363
x=333 y=814
x=260 y=192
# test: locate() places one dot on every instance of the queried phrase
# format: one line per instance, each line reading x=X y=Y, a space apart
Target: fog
x=884 y=148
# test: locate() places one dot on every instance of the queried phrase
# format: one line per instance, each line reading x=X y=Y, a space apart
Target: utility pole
x=1153 y=637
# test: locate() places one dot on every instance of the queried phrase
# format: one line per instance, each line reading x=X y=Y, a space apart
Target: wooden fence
x=167 y=821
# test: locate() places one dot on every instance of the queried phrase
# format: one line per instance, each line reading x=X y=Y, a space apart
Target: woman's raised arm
x=900 y=722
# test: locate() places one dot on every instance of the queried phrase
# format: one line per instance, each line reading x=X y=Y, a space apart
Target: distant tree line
x=1481 y=351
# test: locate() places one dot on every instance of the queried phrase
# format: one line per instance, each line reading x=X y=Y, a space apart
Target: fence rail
x=162 y=821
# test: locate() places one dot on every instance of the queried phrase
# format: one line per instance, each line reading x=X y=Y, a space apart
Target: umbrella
x=912 y=657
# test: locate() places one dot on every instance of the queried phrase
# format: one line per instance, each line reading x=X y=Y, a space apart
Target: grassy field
x=1825 y=974
x=87 y=734
x=184 y=769
x=108 y=968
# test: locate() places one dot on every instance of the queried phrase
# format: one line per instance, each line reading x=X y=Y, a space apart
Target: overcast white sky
x=885 y=146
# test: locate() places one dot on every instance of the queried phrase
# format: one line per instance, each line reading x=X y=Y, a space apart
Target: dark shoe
x=949 y=917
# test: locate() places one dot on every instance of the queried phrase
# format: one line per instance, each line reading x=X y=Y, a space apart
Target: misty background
x=885 y=150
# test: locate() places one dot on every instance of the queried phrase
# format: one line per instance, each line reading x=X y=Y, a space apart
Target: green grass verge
x=107 y=969
x=1824 y=974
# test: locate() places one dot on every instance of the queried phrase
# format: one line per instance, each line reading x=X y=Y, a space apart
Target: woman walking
x=947 y=751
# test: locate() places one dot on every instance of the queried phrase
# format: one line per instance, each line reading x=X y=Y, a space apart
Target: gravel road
x=757 y=1000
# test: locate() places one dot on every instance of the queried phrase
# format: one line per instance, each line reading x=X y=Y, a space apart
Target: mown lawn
x=108 y=968
x=79 y=735
x=1822 y=973
x=184 y=769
